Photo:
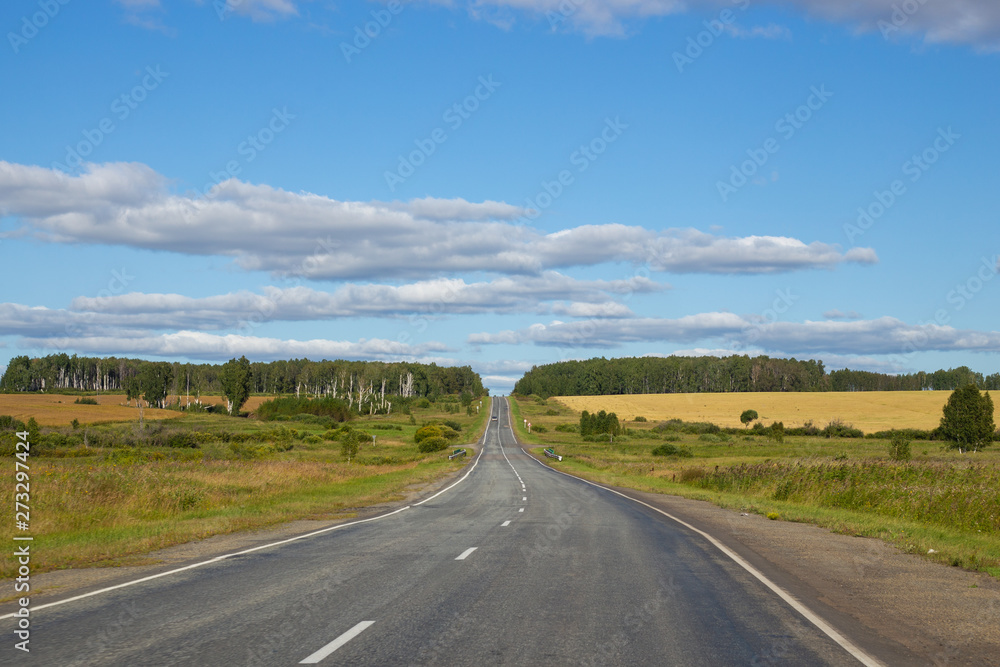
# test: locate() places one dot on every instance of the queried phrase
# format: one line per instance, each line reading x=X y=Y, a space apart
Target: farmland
x=939 y=503
x=869 y=411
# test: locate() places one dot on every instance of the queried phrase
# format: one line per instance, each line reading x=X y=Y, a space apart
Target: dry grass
x=60 y=410
x=869 y=411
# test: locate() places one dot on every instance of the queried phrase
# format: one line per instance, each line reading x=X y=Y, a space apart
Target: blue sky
x=501 y=183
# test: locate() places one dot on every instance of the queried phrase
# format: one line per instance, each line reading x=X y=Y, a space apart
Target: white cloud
x=269 y=229
x=975 y=22
x=837 y=314
x=263 y=11
x=199 y=345
x=882 y=336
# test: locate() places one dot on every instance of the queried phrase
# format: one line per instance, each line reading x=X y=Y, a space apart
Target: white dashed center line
x=521 y=510
x=505 y=524
x=337 y=643
x=465 y=554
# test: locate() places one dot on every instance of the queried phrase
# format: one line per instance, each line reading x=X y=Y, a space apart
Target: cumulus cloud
x=882 y=336
x=316 y=237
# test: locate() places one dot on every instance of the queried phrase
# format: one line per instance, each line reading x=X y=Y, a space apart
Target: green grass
x=940 y=500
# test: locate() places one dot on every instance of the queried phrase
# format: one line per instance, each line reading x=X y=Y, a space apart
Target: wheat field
x=869 y=411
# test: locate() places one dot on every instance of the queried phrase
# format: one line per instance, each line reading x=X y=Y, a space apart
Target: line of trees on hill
x=668 y=375
x=355 y=381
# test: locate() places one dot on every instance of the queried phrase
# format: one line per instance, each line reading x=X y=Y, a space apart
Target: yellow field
x=869 y=411
x=60 y=410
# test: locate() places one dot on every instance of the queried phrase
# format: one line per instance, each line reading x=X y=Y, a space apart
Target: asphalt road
x=515 y=564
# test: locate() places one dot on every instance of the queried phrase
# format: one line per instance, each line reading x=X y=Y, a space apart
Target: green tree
x=968 y=419
x=236 y=379
x=748 y=416
x=154 y=381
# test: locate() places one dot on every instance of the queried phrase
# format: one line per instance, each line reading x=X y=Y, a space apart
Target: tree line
x=355 y=381
x=736 y=373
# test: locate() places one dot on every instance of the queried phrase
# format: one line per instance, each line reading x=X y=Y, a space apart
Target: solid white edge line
x=827 y=629
x=337 y=643
x=465 y=554
x=257 y=548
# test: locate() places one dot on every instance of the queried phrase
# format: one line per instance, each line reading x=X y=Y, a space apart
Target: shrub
x=777 y=432
x=899 y=448
x=551 y=413
x=433 y=444
x=672 y=450
x=539 y=429
x=640 y=418
x=454 y=425
x=423 y=403
x=289 y=406
x=748 y=416
x=773 y=516
x=85 y=401
x=11 y=423
x=181 y=439
x=312 y=440
x=567 y=428
x=838 y=429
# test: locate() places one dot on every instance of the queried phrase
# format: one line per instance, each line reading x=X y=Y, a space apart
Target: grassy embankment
x=110 y=502
x=939 y=500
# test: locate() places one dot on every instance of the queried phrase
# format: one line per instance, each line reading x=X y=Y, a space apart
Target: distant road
x=514 y=565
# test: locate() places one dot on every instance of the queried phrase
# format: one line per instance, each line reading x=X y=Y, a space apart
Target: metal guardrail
x=549 y=452
x=456 y=454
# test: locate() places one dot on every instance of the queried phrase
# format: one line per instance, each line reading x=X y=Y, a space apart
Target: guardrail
x=549 y=452
x=456 y=454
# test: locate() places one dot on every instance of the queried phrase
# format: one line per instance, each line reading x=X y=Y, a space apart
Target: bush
x=433 y=444
x=180 y=439
x=640 y=418
x=312 y=440
x=567 y=428
x=349 y=448
x=454 y=425
x=777 y=432
x=551 y=413
x=838 y=429
x=672 y=450
x=748 y=416
x=85 y=401
x=539 y=429
x=11 y=423
x=899 y=448
x=289 y=406
x=423 y=403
